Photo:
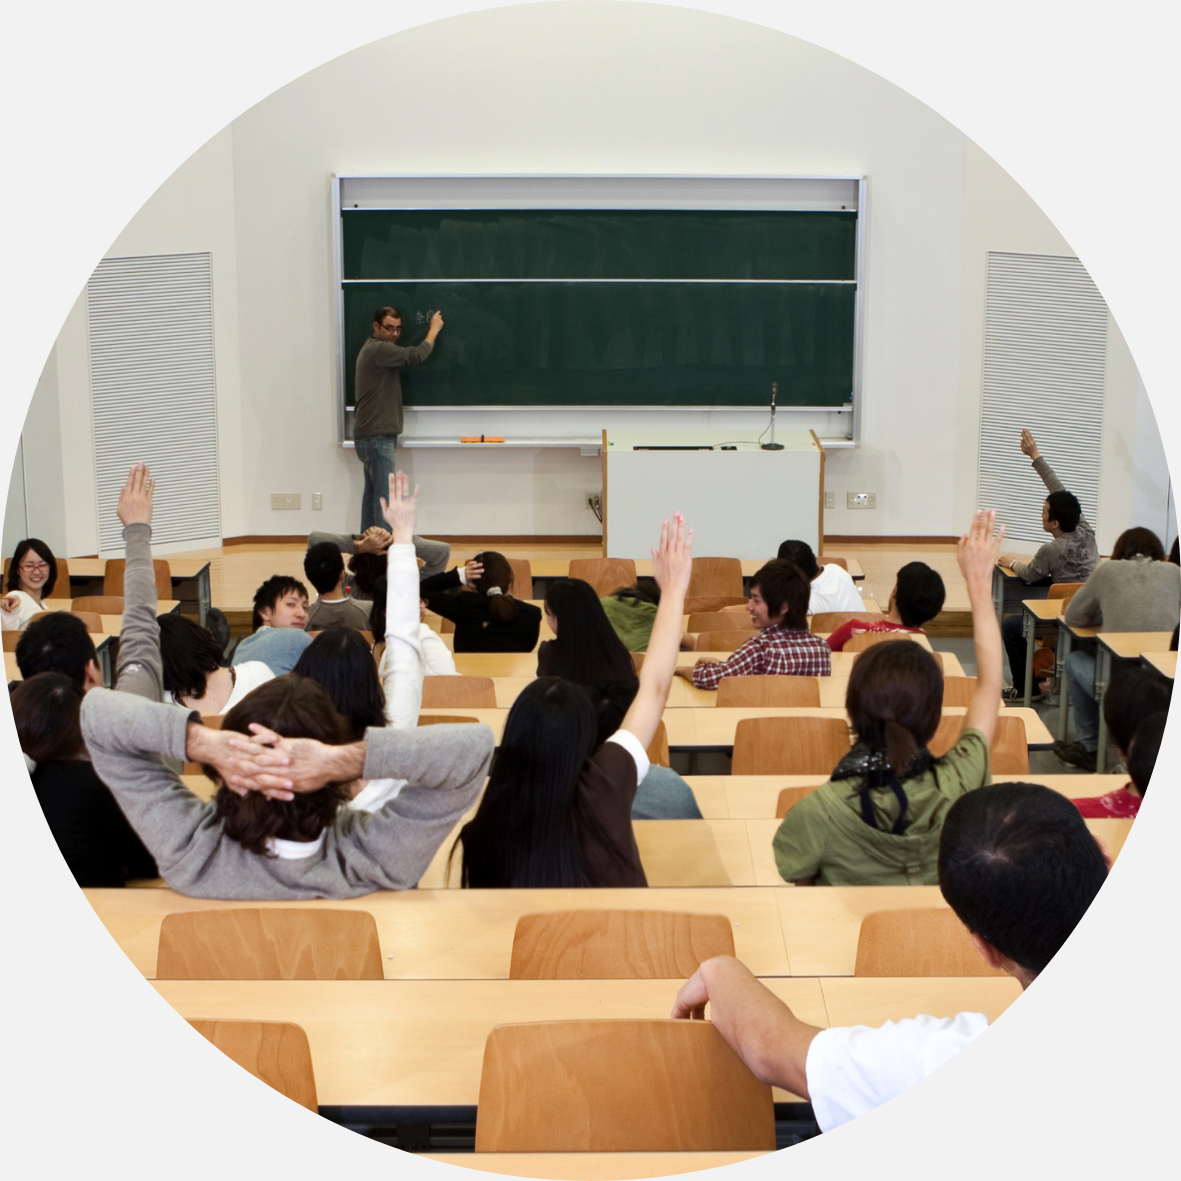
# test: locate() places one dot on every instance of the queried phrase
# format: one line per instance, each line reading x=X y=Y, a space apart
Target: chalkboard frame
x=390 y=191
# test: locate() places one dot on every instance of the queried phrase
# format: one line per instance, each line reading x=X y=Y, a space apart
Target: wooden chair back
x=113 y=577
x=716 y=621
x=715 y=576
x=10 y=640
x=712 y=602
x=868 y=639
x=61 y=583
x=458 y=693
x=522 y=587
x=757 y=692
x=100 y=604
x=658 y=748
x=789 y=746
x=275 y=1052
x=1008 y=754
x=826 y=622
x=618 y=1086
x=958 y=690
x=917 y=942
x=834 y=562
x=724 y=641
x=92 y=620
x=789 y=797
x=604 y=574
x=617 y=944
x=269 y=944
x=1063 y=590
x=442 y=720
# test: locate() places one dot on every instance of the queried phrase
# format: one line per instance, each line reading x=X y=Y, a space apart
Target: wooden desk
x=459 y=934
x=421 y=1042
x=1033 y=612
x=1115 y=646
x=180 y=569
x=1165 y=663
x=590 y=1166
x=874 y=1001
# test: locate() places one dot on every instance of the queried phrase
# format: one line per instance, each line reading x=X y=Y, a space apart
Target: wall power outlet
x=830 y=500
x=861 y=500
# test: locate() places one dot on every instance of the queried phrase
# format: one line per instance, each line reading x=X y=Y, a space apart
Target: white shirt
x=439 y=659
x=247 y=676
x=833 y=589
x=854 y=1069
x=27 y=607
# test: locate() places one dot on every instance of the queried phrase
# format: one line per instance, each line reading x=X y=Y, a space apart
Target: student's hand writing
x=976 y=551
x=672 y=563
x=374 y=540
x=1028 y=445
x=135 y=498
x=691 y=999
x=437 y=322
x=401 y=511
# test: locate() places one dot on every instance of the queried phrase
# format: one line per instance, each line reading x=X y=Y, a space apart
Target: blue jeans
x=1080 y=677
x=377 y=454
x=664 y=795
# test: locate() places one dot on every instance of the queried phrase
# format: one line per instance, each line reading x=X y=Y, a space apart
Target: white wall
x=588 y=88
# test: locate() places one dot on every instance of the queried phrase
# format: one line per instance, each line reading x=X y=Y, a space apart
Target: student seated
x=1133 y=695
x=631 y=611
x=291 y=755
x=833 y=588
x=32 y=575
x=324 y=568
x=557 y=811
x=195 y=672
x=778 y=607
x=1018 y=867
x=59 y=643
x=1071 y=555
x=280 y=616
x=486 y=616
x=1137 y=591
x=98 y=845
x=877 y=821
x=375 y=540
x=917 y=597
x=440 y=661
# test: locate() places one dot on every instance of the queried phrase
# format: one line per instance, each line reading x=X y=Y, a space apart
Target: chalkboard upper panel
x=481 y=244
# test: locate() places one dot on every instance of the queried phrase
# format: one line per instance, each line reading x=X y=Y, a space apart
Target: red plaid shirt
x=773 y=652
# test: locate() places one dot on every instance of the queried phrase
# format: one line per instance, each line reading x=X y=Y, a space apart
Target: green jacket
x=824 y=833
x=632 y=620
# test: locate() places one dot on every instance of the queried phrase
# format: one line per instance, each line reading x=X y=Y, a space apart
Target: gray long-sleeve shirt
x=1137 y=595
x=140 y=667
x=1073 y=557
x=390 y=849
x=379 y=385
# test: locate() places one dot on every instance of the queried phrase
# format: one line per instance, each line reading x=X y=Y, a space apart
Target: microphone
x=773 y=446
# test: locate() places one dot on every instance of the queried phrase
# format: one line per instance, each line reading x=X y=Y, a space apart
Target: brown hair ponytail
x=495 y=583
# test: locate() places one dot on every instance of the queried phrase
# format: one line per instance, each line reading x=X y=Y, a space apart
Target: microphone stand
x=773 y=446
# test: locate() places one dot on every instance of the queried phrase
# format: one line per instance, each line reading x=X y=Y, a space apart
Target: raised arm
x=404 y=663
x=976 y=553
x=672 y=565
x=140 y=667
x=757 y=1025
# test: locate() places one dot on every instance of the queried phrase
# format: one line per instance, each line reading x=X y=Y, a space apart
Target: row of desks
x=182 y=570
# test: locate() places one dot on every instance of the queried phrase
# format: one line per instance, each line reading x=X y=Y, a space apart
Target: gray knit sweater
x=1137 y=595
x=388 y=850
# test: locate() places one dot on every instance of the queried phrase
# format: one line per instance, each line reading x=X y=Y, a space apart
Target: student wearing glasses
x=31 y=576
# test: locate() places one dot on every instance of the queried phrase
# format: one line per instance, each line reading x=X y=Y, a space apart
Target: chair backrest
x=826 y=622
x=269 y=944
x=275 y=1052
x=617 y=944
x=10 y=640
x=834 y=562
x=100 y=604
x=715 y=576
x=712 y=602
x=958 y=690
x=724 y=641
x=461 y=692
x=716 y=621
x=760 y=691
x=658 y=747
x=1063 y=590
x=868 y=639
x=789 y=746
x=1008 y=754
x=92 y=620
x=618 y=1086
x=917 y=942
x=442 y=720
x=789 y=797
x=604 y=574
x=522 y=578
x=113 y=577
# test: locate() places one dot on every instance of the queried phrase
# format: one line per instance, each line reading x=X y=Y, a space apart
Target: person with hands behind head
x=877 y=820
x=487 y=617
x=557 y=811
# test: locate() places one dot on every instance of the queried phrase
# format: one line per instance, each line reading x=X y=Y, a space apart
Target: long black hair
x=339 y=659
x=189 y=654
x=587 y=649
x=526 y=830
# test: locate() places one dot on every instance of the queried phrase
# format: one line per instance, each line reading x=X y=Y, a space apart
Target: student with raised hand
x=440 y=660
x=877 y=820
x=32 y=575
x=1016 y=864
x=557 y=811
x=916 y=599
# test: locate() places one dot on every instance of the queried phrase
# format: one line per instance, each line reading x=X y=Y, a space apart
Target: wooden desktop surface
x=1130 y=645
x=1044 y=610
x=590 y=1166
x=177 y=567
x=1164 y=662
x=421 y=1042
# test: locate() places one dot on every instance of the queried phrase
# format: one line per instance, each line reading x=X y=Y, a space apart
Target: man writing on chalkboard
x=377 y=418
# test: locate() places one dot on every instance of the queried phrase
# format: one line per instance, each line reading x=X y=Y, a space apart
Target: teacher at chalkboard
x=377 y=418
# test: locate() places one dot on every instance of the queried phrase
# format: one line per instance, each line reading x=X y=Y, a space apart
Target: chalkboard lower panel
x=625 y=343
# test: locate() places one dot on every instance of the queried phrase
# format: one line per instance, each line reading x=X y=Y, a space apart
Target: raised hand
x=401 y=511
x=135 y=497
x=1028 y=445
x=672 y=563
x=976 y=552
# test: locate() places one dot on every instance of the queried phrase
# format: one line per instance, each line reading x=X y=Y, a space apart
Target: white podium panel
x=741 y=503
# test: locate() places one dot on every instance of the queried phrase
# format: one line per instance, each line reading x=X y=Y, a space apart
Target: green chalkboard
x=629 y=307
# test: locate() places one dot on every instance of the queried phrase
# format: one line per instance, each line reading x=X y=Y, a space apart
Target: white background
x=103 y=102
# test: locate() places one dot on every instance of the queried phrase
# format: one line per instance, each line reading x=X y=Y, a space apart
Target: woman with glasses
x=31 y=576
